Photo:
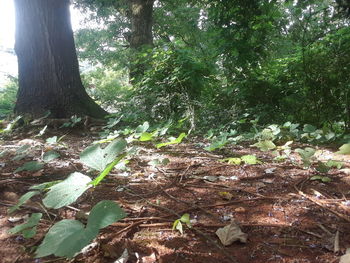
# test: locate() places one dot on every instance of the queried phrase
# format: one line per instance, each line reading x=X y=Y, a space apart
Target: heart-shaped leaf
x=67 y=191
x=98 y=158
x=30 y=166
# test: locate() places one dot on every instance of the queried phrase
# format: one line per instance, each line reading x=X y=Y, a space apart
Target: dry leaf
x=345 y=258
x=226 y=195
x=123 y=258
x=240 y=210
x=230 y=234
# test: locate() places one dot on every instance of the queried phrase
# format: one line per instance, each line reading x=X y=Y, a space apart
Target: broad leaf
x=23 y=148
x=30 y=166
x=103 y=214
x=57 y=234
x=324 y=179
x=344 y=149
x=24 y=198
x=67 y=191
x=230 y=234
x=29 y=228
x=265 y=145
x=175 y=141
x=75 y=242
x=67 y=237
x=250 y=159
x=52 y=140
x=98 y=158
x=146 y=136
x=50 y=155
x=142 y=128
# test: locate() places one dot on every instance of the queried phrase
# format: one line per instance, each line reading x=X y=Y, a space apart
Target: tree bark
x=48 y=69
x=141 y=17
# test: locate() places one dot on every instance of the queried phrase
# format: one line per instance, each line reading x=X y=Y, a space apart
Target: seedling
x=178 y=223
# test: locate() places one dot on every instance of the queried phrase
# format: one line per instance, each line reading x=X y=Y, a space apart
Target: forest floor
x=287 y=217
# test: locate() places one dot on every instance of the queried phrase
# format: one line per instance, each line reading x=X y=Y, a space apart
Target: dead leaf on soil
x=230 y=234
x=226 y=195
x=345 y=258
x=240 y=210
x=345 y=170
x=123 y=258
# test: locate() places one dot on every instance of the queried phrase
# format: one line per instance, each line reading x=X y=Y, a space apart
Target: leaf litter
x=278 y=222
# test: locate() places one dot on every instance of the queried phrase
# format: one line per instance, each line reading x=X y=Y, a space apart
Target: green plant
x=178 y=223
x=73 y=121
x=306 y=155
x=62 y=193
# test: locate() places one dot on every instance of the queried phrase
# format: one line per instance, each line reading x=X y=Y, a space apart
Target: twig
x=233 y=260
x=29 y=207
x=317 y=202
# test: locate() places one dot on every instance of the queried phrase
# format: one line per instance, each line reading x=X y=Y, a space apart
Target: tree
x=141 y=18
x=48 y=69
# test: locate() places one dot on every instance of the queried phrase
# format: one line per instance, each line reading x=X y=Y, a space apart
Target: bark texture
x=141 y=17
x=48 y=69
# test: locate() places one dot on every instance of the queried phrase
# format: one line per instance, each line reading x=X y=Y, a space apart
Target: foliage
x=8 y=97
x=68 y=237
x=178 y=223
x=27 y=229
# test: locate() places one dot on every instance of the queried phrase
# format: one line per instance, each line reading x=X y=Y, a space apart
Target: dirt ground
x=287 y=217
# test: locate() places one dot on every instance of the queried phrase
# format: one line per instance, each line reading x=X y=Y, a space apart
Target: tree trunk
x=141 y=17
x=48 y=69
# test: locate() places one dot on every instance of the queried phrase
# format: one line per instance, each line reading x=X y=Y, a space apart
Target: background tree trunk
x=141 y=17
x=48 y=67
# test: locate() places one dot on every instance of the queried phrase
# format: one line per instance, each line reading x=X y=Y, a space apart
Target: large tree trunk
x=141 y=17
x=48 y=69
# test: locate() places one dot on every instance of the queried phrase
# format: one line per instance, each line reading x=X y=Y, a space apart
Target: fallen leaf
x=230 y=234
x=123 y=258
x=345 y=258
x=270 y=170
x=211 y=178
x=226 y=195
x=240 y=210
x=345 y=170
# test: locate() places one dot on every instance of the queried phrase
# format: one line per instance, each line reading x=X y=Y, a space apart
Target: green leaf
x=52 y=140
x=19 y=157
x=24 y=198
x=97 y=158
x=306 y=155
x=324 y=179
x=28 y=228
x=322 y=168
x=178 y=226
x=58 y=234
x=250 y=159
x=185 y=218
x=265 y=145
x=146 y=136
x=30 y=166
x=67 y=191
x=142 y=128
x=68 y=237
x=50 y=155
x=175 y=141
x=103 y=214
x=23 y=148
x=44 y=186
x=309 y=128
x=107 y=170
x=75 y=242
x=335 y=164
x=344 y=149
